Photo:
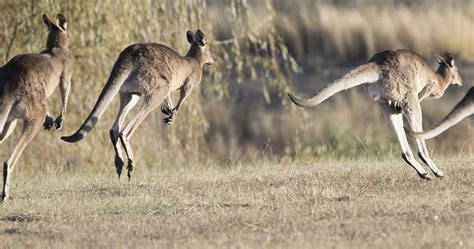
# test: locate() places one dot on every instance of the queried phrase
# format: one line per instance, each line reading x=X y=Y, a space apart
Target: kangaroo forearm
x=65 y=88
x=423 y=95
x=169 y=102
x=180 y=102
x=65 y=100
x=185 y=92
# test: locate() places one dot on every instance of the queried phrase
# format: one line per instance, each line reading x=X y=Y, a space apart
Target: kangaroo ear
x=449 y=59
x=200 y=38
x=190 y=36
x=47 y=22
x=61 y=21
x=440 y=59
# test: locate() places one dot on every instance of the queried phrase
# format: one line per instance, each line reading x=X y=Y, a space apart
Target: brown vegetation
x=344 y=204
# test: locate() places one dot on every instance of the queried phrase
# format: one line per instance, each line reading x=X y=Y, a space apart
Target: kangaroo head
x=448 y=69
x=57 y=36
x=199 y=47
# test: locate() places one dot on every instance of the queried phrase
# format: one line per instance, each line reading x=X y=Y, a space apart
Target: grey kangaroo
x=463 y=109
x=151 y=72
x=26 y=81
x=398 y=81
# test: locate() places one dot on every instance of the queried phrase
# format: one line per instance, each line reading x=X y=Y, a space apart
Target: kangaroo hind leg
x=396 y=121
x=30 y=129
x=414 y=118
x=150 y=103
x=127 y=102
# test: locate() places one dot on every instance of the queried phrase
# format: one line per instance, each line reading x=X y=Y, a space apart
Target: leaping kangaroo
x=149 y=71
x=398 y=81
x=26 y=81
x=463 y=109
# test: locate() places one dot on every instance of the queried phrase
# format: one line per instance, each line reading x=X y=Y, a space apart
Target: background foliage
x=263 y=48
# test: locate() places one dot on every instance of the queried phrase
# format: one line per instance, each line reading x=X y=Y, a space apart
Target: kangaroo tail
x=463 y=109
x=118 y=75
x=366 y=73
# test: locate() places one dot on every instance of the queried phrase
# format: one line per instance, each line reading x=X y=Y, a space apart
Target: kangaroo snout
x=211 y=61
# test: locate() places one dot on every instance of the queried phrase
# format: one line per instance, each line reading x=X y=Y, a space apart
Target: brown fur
x=405 y=75
x=398 y=80
x=151 y=72
x=26 y=81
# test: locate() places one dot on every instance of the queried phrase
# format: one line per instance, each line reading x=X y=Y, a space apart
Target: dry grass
x=326 y=204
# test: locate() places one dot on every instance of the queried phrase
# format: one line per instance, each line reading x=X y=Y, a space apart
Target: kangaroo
x=26 y=81
x=398 y=81
x=149 y=71
x=463 y=109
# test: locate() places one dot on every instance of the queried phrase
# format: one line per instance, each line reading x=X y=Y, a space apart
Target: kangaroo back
x=116 y=79
x=366 y=73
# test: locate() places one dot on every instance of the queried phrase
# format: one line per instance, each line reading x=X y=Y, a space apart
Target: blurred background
x=263 y=49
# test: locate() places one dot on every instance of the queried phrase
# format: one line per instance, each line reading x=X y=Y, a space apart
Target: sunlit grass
x=359 y=203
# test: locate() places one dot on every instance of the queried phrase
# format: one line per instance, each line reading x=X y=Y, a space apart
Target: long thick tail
x=366 y=73
x=116 y=79
x=463 y=109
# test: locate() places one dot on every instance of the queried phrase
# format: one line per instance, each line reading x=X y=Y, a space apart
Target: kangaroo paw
x=48 y=123
x=165 y=109
x=58 y=123
x=169 y=120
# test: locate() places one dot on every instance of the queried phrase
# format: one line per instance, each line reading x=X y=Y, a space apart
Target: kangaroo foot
x=5 y=198
x=439 y=174
x=118 y=165
x=425 y=176
x=130 y=168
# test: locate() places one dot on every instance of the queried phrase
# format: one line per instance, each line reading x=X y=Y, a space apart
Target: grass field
x=336 y=204
x=242 y=167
